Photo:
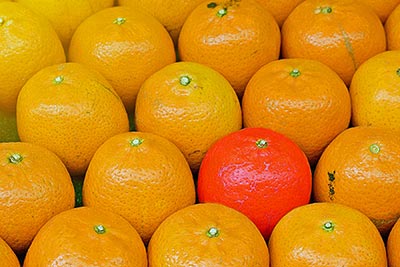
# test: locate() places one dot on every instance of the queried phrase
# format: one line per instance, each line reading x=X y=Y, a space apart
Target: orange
x=8 y=127
x=258 y=172
x=392 y=245
x=280 y=9
x=34 y=186
x=303 y=99
x=375 y=92
x=71 y=110
x=340 y=33
x=141 y=176
x=190 y=104
x=392 y=28
x=66 y=15
x=361 y=168
x=8 y=257
x=326 y=234
x=125 y=46
x=86 y=237
x=234 y=37
x=171 y=13
x=207 y=235
x=382 y=7
x=28 y=43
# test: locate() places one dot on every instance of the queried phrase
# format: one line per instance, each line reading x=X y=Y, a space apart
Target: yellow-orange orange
x=392 y=245
x=280 y=9
x=382 y=7
x=392 y=29
x=8 y=257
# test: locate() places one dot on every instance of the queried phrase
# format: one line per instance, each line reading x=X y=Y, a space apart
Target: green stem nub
x=374 y=148
x=222 y=12
x=136 y=141
x=185 y=80
x=100 y=229
x=323 y=10
x=295 y=73
x=211 y=5
x=15 y=158
x=397 y=71
x=119 y=21
x=213 y=232
x=58 y=79
x=261 y=143
x=328 y=226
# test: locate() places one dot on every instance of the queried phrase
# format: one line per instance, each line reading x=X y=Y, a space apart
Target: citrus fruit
x=208 y=234
x=392 y=29
x=374 y=92
x=171 y=13
x=34 y=186
x=301 y=98
x=326 y=234
x=190 y=104
x=280 y=9
x=392 y=245
x=361 y=168
x=258 y=172
x=382 y=7
x=71 y=110
x=141 y=176
x=8 y=127
x=28 y=43
x=125 y=46
x=8 y=257
x=231 y=36
x=66 y=15
x=340 y=33
x=86 y=237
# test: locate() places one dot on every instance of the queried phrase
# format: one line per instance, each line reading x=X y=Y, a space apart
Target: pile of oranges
x=200 y=133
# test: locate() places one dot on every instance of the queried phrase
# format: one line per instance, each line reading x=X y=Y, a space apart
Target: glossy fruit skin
x=125 y=45
x=171 y=13
x=35 y=186
x=236 y=43
x=141 y=176
x=70 y=109
x=361 y=168
x=194 y=115
x=392 y=245
x=28 y=44
x=303 y=99
x=392 y=30
x=375 y=94
x=185 y=239
x=74 y=238
x=262 y=182
x=340 y=33
x=326 y=234
x=65 y=16
x=8 y=257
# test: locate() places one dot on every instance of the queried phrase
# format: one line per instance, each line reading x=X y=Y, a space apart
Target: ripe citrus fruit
x=28 y=43
x=207 y=235
x=141 y=176
x=34 y=186
x=361 y=168
x=8 y=257
x=303 y=99
x=125 y=46
x=70 y=109
x=382 y=7
x=86 y=237
x=171 y=13
x=190 y=104
x=326 y=234
x=256 y=171
x=374 y=91
x=392 y=29
x=340 y=33
x=231 y=36
x=392 y=245
x=66 y=15
x=8 y=127
x=280 y=9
